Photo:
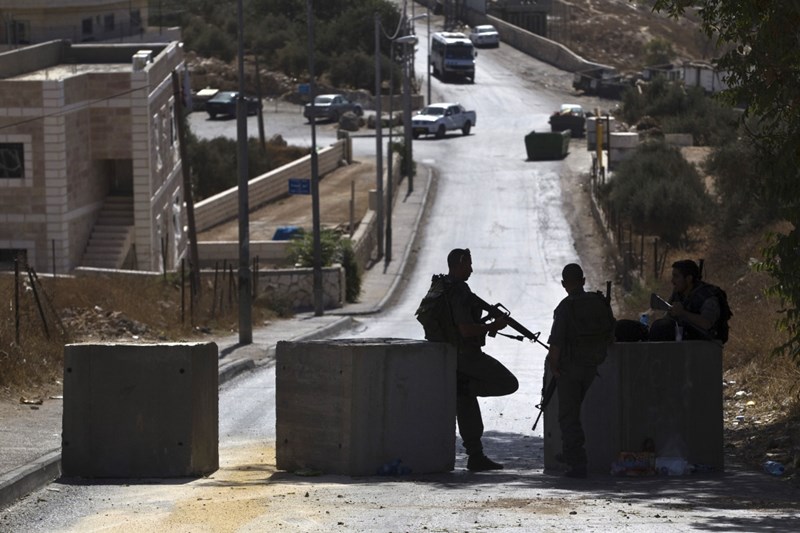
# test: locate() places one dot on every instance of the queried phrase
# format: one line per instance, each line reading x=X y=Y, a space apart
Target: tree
x=658 y=192
x=762 y=67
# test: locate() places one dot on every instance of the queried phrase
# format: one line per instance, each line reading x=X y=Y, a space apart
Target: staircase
x=112 y=234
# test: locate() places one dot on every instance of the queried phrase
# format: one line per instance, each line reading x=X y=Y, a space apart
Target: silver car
x=331 y=107
x=484 y=35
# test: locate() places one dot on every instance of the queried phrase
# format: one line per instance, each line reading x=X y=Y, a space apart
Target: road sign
x=304 y=88
x=299 y=186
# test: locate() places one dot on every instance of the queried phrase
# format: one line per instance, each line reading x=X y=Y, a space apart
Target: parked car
x=438 y=119
x=484 y=35
x=331 y=107
x=224 y=103
x=570 y=117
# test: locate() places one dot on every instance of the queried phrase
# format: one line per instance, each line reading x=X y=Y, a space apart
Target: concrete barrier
x=349 y=406
x=140 y=410
x=670 y=392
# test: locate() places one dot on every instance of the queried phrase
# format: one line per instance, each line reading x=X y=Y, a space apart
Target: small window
x=109 y=22
x=86 y=26
x=136 y=18
x=12 y=160
x=8 y=255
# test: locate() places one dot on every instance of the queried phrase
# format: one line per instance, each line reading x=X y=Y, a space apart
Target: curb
x=28 y=478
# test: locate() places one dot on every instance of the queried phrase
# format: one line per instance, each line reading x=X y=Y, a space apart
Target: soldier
x=458 y=322
x=583 y=328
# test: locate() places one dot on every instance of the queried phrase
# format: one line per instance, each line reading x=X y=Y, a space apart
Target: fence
x=635 y=257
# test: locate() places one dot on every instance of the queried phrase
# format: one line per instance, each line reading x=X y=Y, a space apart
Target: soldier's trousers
x=572 y=386
x=478 y=374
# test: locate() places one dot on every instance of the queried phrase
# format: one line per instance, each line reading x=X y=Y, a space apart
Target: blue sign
x=299 y=186
x=304 y=88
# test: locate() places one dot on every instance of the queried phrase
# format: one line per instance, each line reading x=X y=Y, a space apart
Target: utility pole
x=245 y=318
x=194 y=263
x=318 y=304
x=378 y=138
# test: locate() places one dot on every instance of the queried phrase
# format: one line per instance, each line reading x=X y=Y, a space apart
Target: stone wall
x=267 y=187
x=534 y=45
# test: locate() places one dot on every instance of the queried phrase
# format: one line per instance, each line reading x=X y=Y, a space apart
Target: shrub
x=209 y=41
x=356 y=70
x=744 y=204
x=658 y=52
x=214 y=165
x=658 y=191
x=682 y=110
x=333 y=249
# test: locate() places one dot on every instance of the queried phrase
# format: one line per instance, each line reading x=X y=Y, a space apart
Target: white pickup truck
x=438 y=119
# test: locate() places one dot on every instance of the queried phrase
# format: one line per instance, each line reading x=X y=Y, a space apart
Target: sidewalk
x=30 y=436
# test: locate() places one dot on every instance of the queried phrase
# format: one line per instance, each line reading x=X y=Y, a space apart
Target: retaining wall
x=268 y=187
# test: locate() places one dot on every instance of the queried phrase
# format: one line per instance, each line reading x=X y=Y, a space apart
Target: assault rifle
x=547 y=394
x=499 y=311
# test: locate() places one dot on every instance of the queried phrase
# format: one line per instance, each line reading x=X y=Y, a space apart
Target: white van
x=452 y=55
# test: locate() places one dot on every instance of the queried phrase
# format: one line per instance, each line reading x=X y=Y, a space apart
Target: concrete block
x=349 y=406
x=670 y=392
x=623 y=139
x=140 y=410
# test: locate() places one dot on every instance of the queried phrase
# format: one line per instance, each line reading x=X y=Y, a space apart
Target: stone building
x=90 y=170
x=25 y=22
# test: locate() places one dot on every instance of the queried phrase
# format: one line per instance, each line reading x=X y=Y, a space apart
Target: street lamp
x=408 y=65
x=405 y=40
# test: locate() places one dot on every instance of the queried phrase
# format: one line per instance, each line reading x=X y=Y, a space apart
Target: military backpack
x=434 y=311
x=591 y=327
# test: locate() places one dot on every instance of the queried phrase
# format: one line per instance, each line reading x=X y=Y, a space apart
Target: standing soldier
x=583 y=328
x=458 y=322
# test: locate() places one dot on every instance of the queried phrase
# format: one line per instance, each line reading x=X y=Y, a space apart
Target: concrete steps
x=111 y=235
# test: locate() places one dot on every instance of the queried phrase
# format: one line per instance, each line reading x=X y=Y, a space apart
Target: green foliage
x=334 y=248
x=744 y=203
x=682 y=110
x=214 y=162
x=658 y=192
x=658 y=52
x=763 y=64
x=356 y=69
x=209 y=41
x=277 y=30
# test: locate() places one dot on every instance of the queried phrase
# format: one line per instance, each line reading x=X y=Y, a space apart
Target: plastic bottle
x=774 y=468
x=678 y=332
x=644 y=319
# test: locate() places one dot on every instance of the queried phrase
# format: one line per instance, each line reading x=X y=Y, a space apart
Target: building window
x=21 y=31
x=109 y=22
x=136 y=19
x=12 y=160
x=8 y=255
x=87 y=27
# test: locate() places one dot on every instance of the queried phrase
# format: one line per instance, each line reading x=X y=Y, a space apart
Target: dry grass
x=97 y=309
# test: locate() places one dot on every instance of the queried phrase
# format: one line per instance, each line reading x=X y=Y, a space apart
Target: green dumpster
x=546 y=146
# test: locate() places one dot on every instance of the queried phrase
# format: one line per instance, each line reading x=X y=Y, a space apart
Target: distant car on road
x=331 y=107
x=224 y=103
x=484 y=35
x=438 y=119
